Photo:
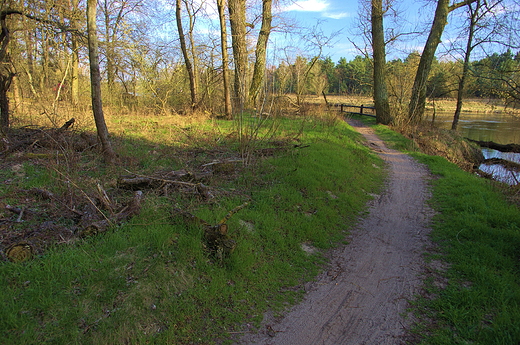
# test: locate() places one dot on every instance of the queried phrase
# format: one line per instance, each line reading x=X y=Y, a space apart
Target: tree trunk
x=193 y=50
x=261 y=50
x=6 y=74
x=237 y=19
x=95 y=83
x=225 y=60
x=418 y=98
x=109 y=51
x=465 y=67
x=74 y=84
x=187 y=61
x=378 y=47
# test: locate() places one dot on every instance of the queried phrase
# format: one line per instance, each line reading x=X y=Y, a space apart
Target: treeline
x=494 y=77
x=176 y=57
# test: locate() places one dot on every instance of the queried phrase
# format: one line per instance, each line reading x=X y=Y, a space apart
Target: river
x=498 y=127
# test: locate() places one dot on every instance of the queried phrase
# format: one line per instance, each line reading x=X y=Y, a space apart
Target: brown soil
x=362 y=297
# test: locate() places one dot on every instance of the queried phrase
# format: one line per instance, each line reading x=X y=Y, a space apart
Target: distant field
x=448 y=104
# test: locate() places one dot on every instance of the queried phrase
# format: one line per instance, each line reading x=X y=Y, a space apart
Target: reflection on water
x=499 y=128
x=498 y=171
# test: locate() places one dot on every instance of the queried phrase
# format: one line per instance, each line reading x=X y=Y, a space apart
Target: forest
x=177 y=57
x=168 y=176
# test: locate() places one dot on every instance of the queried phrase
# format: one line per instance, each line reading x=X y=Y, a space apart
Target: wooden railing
x=362 y=109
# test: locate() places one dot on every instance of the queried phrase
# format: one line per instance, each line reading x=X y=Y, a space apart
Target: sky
x=338 y=20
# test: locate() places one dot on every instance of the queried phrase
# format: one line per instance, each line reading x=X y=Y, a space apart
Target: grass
x=151 y=280
x=478 y=237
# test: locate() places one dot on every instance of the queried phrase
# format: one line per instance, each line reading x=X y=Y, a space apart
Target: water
x=499 y=128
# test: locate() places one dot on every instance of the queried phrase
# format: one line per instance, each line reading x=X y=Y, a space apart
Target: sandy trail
x=362 y=297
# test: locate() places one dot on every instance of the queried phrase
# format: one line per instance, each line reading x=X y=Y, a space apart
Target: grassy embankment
x=151 y=280
x=476 y=298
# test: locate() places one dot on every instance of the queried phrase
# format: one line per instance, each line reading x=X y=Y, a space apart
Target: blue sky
x=342 y=16
x=410 y=16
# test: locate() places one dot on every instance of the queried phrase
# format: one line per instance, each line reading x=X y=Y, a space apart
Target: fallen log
x=132 y=209
x=509 y=165
x=20 y=252
x=495 y=146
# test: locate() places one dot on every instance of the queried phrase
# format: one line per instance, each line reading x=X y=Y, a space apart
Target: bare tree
x=261 y=51
x=418 y=99
x=225 y=59
x=95 y=83
x=6 y=71
x=379 y=54
x=483 y=27
x=187 y=61
x=237 y=19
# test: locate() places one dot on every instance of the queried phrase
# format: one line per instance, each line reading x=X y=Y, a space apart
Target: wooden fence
x=362 y=109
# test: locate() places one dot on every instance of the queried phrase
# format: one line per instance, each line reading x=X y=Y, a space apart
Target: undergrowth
x=151 y=279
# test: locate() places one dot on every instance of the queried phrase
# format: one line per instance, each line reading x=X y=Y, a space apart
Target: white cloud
x=308 y=6
x=340 y=15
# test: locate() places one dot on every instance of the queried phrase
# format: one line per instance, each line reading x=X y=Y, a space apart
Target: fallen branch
x=509 y=165
x=132 y=209
x=137 y=181
x=495 y=146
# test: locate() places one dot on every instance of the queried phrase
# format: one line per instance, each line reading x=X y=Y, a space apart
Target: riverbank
x=363 y=295
x=155 y=278
x=472 y=290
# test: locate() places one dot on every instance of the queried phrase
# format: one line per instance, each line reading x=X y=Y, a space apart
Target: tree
x=187 y=61
x=483 y=26
x=261 y=51
x=237 y=20
x=95 y=83
x=74 y=87
x=6 y=69
x=498 y=76
x=6 y=72
x=225 y=60
x=418 y=98
x=114 y=26
x=379 y=55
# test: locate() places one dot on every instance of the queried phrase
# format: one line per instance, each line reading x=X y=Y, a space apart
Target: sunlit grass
x=478 y=237
x=151 y=279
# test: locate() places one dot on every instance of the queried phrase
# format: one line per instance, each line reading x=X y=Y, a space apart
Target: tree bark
x=74 y=85
x=6 y=74
x=109 y=49
x=225 y=60
x=261 y=51
x=378 y=48
x=74 y=82
x=418 y=98
x=95 y=83
x=187 y=61
x=237 y=19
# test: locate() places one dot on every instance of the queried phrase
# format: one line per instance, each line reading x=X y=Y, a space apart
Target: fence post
x=361 y=108
x=341 y=110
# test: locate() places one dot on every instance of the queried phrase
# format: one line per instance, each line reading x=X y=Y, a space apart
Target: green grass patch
x=478 y=235
x=478 y=232
x=151 y=280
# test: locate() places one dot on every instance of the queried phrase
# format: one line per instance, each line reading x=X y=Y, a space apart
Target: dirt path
x=363 y=295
